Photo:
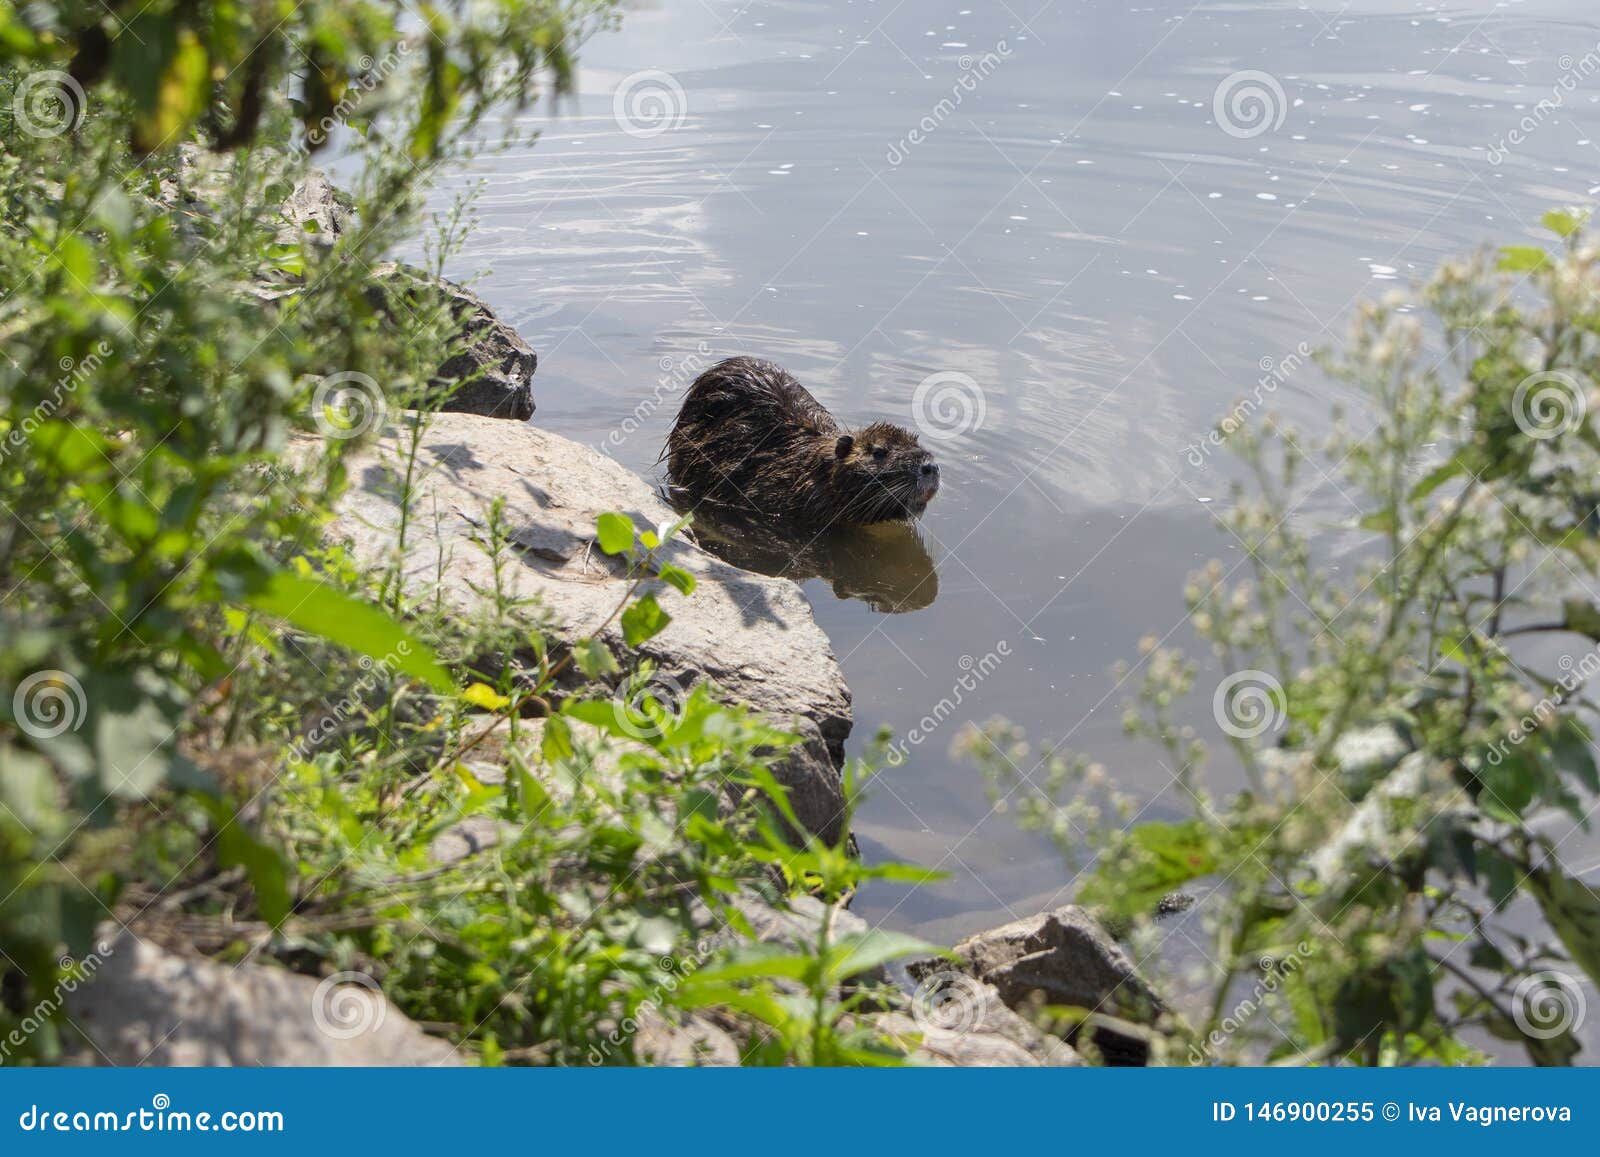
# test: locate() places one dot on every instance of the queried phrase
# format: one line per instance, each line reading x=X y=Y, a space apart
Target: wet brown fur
x=750 y=437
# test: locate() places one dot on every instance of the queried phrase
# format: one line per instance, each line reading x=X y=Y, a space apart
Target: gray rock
x=491 y=371
x=1066 y=958
x=470 y=837
x=691 y=1041
x=490 y=374
x=315 y=211
x=752 y=636
x=146 y=1006
x=997 y=1038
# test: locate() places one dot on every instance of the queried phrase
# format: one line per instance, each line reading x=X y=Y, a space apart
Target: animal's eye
x=880 y=452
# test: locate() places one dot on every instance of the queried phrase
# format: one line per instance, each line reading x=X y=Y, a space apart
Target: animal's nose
x=930 y=469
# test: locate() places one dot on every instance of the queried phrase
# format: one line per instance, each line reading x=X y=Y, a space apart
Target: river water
x=1040 y=208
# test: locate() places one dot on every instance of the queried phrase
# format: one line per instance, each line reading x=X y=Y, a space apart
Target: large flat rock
x=753 y=636
x=148 y=1006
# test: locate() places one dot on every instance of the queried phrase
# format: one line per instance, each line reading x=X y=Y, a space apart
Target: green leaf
x=677 y=578
x=70 y=448
x=166 y=70
x=314 y=605
x=28 y=790
x=1563 y=222
x=1521 y=259
x=643 y=620
x=1156 y=859
x=1380 y=522
x=594 y=658
x=532 y=797
x=615 y=532
x=862 y=951
x=1582 y=617
x=609 y=715
x=1572 y=749
x=1573 y=909
x=898 y=873
x=1453 y=467
x=237 y=846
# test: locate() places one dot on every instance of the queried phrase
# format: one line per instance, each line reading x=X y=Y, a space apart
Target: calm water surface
x=1076 y=234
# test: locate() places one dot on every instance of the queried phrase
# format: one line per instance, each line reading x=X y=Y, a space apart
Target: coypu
x=749 y=436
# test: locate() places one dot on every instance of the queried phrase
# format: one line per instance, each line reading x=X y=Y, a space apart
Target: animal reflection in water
x=885 y=565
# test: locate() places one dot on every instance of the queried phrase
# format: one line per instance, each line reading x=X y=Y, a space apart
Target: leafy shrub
x=1408 y=731
x=213 y=722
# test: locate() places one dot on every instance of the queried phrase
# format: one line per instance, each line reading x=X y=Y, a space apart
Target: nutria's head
x=882 y=472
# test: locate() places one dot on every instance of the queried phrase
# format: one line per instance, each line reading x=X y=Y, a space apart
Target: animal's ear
x=842 y=448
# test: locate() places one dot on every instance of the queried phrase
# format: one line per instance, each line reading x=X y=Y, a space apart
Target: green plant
x=1407 y=732
x=167 y=332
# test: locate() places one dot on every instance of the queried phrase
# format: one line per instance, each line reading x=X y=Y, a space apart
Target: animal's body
x=750 y=437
